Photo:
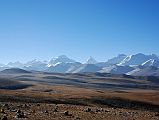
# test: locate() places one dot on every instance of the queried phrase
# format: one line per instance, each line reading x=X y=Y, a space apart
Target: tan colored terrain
x=45 y=101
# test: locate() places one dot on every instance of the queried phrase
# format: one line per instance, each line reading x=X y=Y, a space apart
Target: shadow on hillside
x=125 y=103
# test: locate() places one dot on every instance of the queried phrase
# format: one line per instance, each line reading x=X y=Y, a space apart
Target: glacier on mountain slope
x=116 y=69
x=137 y=59
x=64 y=67
x=151 y=62
x=148 y=63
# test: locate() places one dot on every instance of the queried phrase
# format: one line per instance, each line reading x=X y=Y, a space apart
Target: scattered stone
x=25 y=106
x=56 y=106
x=19 y=114
x=29 y=105
x=99 y=110
x=120 y=113
x=102 y=110
x=88 y=110
x=2 y=110
x=77 y=118
x=125 y=114
x=38 y=104
x=66 y=113
x=4 y=118
x=46 y=111
x=56 y=109
x=18 y=111
x=107 y=110
x=19 y=106
x=28 y=113
x=13 y=110
x=33 y=111
x=5 y=105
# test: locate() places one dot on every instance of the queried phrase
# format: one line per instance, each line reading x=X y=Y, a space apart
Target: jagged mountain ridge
x=138 y=59
x=121 y=64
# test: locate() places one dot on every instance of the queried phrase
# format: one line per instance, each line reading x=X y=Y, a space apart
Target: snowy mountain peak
x=35 y=61
x=62 y=56
x=61 y=59
x=125 y=60
x=121 y=55
x=116 y=60
x=154 y=56
x=121 y=64
x=138 y=59
x=15 y=64
x=91 y=60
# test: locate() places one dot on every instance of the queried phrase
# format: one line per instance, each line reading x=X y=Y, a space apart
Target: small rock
x=88 y=110
x=2 y=111
x=107 y=110
x=46 y=111
x=28 y=113
x=102 y=109
x=56 y=109
x=19 y=114
x=38 y=104
x=77 y=118
x=66 y=113
x=33 y=111
x=120 y=113
x=25 y=106
x=125 y=114
x=56 y=106
x=13 y=110
x=99 y=110
x=18 y=111
x=5 y=105
x=19 y=106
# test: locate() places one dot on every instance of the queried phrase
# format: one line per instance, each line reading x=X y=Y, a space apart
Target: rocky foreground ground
x=42 y=111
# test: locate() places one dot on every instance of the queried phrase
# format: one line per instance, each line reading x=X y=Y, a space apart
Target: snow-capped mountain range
x=138 y=64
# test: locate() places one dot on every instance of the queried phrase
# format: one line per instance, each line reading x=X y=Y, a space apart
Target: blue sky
x=43 y=29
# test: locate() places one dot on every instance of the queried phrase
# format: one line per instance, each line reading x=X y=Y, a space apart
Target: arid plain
x=86 y=96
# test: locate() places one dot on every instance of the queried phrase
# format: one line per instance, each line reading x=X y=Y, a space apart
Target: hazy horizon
x=78 y=29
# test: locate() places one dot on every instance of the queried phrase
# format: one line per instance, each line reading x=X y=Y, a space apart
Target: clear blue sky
x=44 y=29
